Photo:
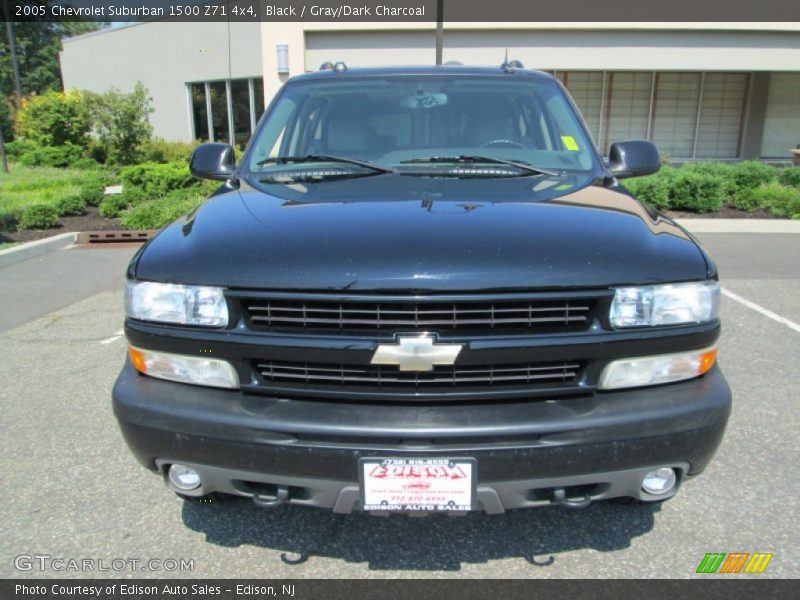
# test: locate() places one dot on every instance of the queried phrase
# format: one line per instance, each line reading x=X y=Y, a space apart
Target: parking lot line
x=761 y=310
x=113 y=338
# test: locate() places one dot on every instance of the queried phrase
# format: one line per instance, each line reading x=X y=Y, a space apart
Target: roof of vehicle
x=432 y=70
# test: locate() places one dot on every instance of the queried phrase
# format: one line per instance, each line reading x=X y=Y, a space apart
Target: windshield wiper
x=286 y=160
x=480 y=159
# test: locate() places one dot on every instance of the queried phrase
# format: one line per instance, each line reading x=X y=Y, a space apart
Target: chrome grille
x=524 y=316
x=390 y=376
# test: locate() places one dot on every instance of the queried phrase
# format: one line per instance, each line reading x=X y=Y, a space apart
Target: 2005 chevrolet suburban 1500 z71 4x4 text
x=423 y=290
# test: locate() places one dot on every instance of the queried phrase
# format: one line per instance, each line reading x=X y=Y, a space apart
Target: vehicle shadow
x=437 y=542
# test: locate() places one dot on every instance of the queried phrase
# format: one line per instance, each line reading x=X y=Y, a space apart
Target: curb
x=740 y=225
x=21 y=252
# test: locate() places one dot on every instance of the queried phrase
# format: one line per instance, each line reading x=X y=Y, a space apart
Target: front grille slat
x=401 y=323
x=493 y=316
x=450 y=311
x=345 y=375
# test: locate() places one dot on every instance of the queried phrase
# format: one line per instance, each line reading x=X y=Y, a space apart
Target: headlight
x=196 y=370
x=665 y=304
x=179 y=304
x=653 y=370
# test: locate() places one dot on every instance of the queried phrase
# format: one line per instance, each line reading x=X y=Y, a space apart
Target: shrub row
x=707 y=187
x=43 y=216
x=156 y=179
x=65 y=156
x=154 y=214
x=154 y=194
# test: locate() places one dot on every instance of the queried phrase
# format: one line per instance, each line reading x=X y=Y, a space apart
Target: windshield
x=401 y=122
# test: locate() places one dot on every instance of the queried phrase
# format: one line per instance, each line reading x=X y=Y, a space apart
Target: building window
x=230 y=104
x=627 y=109
x=219 y=111
x=240 y=105
x=675 y=113
x=199 y=111
x=782 y=121
x=586 y=88
x=258 y=85
x=688 y=115
x=722 y=110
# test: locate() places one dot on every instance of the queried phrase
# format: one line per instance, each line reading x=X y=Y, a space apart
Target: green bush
x=751 y=174
x=38 y=216
x=71 y=206
x=92 y=192
x=748 y=199
x=653 y=189
x=781 y=200
x=8 y=220
x=52 y=156
x=17 y=148
x=723 y=171
x=158 y=179
x=154 y=214
x=144 y=216
x=112 y=206
x=97 y=151
x=161 y=151
x=54 y=119
x=789 y=176
x=696 y=192
x=134 y=195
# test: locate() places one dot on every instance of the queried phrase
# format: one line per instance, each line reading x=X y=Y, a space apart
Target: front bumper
x=596 y=446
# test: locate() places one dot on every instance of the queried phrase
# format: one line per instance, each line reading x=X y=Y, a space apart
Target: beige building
x=722 y=91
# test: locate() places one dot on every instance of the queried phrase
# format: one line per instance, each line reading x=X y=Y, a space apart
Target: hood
x=425 y=234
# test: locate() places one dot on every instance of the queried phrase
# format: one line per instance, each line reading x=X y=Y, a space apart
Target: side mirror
x=633 y=159
x=213 y=161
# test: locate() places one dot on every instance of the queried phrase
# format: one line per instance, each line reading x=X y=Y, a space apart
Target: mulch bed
x=91 y=221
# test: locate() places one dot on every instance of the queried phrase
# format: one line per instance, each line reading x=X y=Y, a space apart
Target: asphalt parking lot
x=72 y=490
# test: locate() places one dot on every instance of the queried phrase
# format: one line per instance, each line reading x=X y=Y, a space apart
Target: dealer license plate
x=417 y=484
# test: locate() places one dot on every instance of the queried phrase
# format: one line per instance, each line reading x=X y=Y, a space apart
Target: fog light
x=660 y=481
x=183 y=477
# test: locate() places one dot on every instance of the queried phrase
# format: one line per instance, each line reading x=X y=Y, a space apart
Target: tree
x=38 y=44
x=121 y=122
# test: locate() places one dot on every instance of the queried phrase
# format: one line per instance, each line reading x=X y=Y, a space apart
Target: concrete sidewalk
x=700 y=225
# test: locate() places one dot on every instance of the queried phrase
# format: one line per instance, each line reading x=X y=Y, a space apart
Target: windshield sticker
x=570 y=143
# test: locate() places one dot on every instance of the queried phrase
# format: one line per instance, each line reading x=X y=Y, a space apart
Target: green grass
x=23 y=186
x=4 y=245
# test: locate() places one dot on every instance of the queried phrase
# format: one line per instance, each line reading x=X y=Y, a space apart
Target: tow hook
x=560 y=497
x=282 y=497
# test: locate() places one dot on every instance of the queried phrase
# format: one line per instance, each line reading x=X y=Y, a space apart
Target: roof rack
x=339 y=66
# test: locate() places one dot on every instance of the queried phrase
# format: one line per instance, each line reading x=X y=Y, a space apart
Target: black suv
x=423 y=290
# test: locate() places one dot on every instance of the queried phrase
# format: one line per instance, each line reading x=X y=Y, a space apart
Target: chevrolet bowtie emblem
x=416 y=353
